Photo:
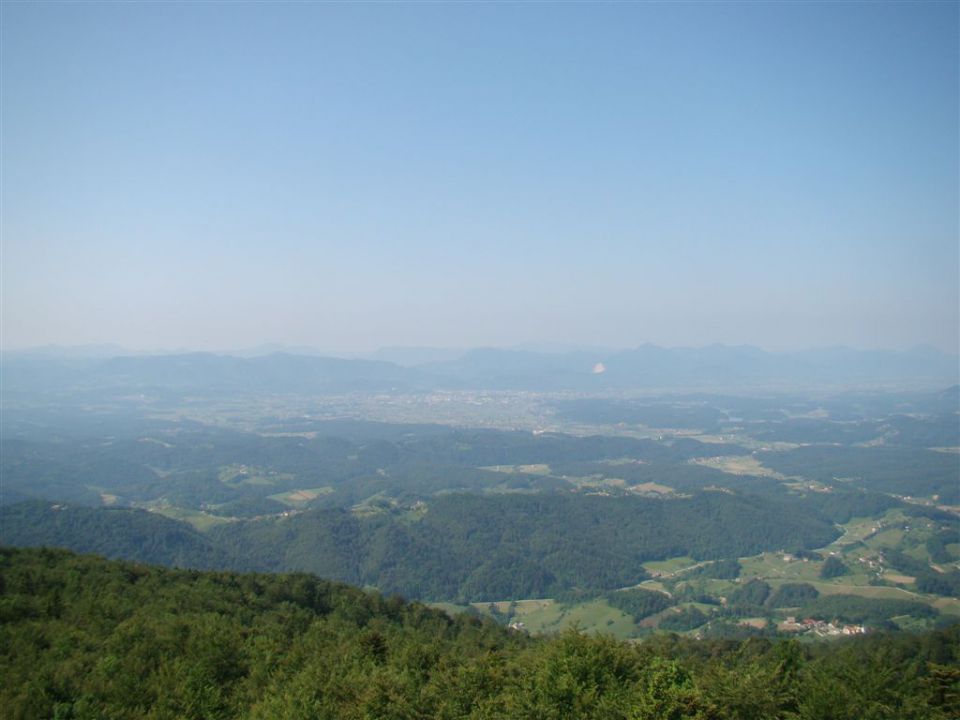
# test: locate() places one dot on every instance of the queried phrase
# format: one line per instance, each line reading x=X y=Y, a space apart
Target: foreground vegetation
x=82 y=637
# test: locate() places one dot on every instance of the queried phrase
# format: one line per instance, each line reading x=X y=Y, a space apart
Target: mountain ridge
x=647 y=366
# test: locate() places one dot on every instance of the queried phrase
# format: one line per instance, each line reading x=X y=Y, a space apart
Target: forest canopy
x=82 y=637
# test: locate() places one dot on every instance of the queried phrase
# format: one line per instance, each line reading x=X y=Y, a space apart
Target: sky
x=347 y=176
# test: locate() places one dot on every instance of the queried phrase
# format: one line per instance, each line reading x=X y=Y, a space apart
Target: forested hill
x=468 y=547
x=112 y=532
x=456 y=547
x=85 y=638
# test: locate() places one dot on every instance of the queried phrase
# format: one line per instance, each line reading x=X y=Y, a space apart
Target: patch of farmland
x=301 y=496
x=740 y=465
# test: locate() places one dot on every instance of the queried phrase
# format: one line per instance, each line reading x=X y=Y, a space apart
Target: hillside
x=112 y=532
x=456 y=547
x=82 y=638
x=596 y=494
x=469 y=548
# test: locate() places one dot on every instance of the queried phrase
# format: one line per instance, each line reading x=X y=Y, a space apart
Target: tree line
x=82 y=637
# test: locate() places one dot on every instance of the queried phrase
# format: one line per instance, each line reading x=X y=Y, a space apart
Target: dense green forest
x=853 y=609
x=459 y=547
x=82 y=637
x=112 y=532
x=640 y=603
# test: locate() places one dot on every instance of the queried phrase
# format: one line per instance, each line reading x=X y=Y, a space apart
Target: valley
x=541 y=510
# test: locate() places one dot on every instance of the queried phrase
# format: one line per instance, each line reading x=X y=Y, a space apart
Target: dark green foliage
x=725 y=628
x=500 y=547
x=80 y=635
x=465 y=547
x=752 y=594
x=937 y=544
x=897 y=470
x=929 y=511
x=869 y=611
x=640 y=603
x=940 y=430
x=940 y=583
x=818 y=430
x=112 y=532
x=942 y=684
x=833 y=567
x=576 y=596
x=792 y=595
x=726 y=569
x=841 y=505
x=693 y=592
x=928 y=580
x=904 y=563
x=685 y=619
x=85 y=638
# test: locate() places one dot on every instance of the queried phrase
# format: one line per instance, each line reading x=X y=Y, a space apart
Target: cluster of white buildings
x=819 y=627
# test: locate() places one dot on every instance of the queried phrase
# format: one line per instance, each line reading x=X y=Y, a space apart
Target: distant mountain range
x=424 y=369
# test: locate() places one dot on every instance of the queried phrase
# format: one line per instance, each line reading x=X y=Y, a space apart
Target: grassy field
x=951 y=606
x=653 y=585
x=773 y=566
x=535 y=469
x=595 y=616
x=512 y=607
x=857 y=530
x=740 y=465
x=247 y=475
x=869 y=591
x=545 y=616
x=670 y=565
x=891 y=537
x=197 y=518
x=300 y=496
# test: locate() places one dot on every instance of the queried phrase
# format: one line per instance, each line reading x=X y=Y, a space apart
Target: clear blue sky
x=355 y=175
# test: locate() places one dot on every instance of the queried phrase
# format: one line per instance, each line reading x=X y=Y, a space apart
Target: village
x=819 y=628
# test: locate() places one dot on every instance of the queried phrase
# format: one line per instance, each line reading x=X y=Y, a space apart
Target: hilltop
x=87 y=638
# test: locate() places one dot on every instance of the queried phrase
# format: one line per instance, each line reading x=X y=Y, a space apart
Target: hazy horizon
x=357 y=176
x=109 y=349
